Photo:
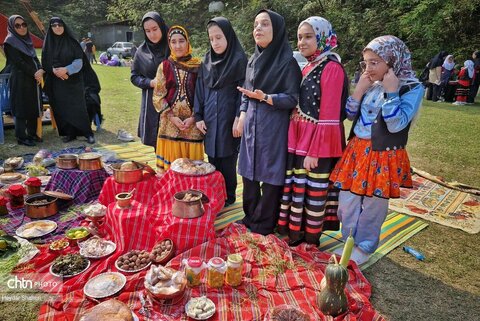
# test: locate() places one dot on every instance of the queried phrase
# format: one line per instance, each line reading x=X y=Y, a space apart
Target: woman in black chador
x=62 y=59
x=26 y=74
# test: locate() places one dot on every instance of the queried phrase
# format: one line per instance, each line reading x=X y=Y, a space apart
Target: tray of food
x=104 y=285
x=69 y=265
x=200 y=308
x=36 y=229
x=13 y=163
x=188 y=167
x=133 y=261
x=12 y=178
x=96 y=247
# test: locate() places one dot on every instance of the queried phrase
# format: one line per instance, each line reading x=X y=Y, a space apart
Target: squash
x=332 y=299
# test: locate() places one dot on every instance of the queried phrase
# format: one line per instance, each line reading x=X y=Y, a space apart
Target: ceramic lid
x=216 y=262
x=194 y=262
x=58 y=194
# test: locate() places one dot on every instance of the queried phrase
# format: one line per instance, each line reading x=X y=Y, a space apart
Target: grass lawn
x=443 y=142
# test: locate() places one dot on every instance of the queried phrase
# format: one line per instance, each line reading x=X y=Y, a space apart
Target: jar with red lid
x=216 y=272
x=3 y=205
x=193 y=270
x=16 y=192
x=33 y=185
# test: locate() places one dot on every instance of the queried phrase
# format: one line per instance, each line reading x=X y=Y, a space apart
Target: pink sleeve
x=329 y=137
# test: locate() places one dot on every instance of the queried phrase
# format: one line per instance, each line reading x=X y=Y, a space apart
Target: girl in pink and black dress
x=316 y=137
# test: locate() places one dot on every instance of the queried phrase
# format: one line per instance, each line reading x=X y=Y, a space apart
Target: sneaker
x=456 y=103
x=124 y=136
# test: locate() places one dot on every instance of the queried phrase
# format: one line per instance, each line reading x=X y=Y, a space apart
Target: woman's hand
x=256 y=94
x=390 y=82
x=187 y=123
x=235 y=131
x=153 y=83
x=363 y=84
x=310 y=163
x=241 y=121
x=177 y=122
x=202 y=127
x=61 y=72
x=39 y=75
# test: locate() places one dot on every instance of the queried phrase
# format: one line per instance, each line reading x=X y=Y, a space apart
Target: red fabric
x=326 y=138
x=263 y=285
x=144 y=190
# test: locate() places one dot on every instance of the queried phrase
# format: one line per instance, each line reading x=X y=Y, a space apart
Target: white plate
x=24 y=230
x=111 y=247
x=101 y=286
x=204 y=318
x=70 y=275
x=131 y=271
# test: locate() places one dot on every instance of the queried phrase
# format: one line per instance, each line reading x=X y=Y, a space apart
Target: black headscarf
x=228 y=67
x=60 y=51
x=267 y=68
x=22 y=43
x=438 y=59
x=149 y=55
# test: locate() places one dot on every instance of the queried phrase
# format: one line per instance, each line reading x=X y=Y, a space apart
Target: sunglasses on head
x=56 y=24
x=21 y=25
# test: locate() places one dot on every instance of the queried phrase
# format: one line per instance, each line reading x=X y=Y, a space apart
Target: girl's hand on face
x=202 y=127
x=235 y=131
x=363 y=84
x=310 y=163
x=390 y=82
x=241 y=121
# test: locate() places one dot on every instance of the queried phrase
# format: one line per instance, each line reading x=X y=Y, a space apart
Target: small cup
x=123 y=199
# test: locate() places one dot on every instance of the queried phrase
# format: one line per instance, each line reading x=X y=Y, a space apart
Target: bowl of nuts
x=162 y=252
x=133 y=261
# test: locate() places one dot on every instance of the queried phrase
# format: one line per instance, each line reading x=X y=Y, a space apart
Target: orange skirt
x=364 y=171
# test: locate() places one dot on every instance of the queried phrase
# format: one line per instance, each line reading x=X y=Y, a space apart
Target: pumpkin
x=332 y=300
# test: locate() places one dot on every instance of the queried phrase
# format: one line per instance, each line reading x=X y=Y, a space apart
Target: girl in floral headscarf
x=173 y=94
x=375 y=163
x=315 y=138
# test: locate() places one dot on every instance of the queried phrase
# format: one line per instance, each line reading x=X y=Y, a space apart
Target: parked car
x=121 y=49
x=301 y=60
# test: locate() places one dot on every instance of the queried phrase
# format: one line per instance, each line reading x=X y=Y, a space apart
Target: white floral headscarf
x=326 y=36
x=397 y=55
x=469 y=65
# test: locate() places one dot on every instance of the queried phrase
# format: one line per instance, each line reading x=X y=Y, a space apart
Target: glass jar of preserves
x=3 y=205
x=16 y=192
x=193 y=271
x=33 y=185
x=234 y=270
x=216 y=272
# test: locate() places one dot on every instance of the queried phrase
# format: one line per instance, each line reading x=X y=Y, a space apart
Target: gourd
x=332 y=300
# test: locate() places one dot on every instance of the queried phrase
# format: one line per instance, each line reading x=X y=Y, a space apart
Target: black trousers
x=436 y=92
x=473 y=91
x=228 y=167
x=261 y=204
x=25 y=128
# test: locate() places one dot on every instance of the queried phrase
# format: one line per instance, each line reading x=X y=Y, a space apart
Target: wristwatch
x=265 y=98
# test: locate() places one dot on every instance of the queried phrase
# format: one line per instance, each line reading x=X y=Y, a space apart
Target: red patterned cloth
x=149 y=219
x=144 y=190
x=273 y=274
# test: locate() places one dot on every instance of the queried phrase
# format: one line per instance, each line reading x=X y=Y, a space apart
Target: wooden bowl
x=167 y=254
x=176 y=295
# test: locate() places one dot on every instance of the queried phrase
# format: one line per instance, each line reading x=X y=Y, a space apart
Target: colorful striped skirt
x=364 y=171
x=309 y=201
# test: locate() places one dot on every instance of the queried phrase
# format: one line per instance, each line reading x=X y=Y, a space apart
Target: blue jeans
x=364 y=216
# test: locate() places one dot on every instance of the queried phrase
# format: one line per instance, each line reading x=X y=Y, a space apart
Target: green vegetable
x=332 y=300
x=347 y=250
x=8 y=246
